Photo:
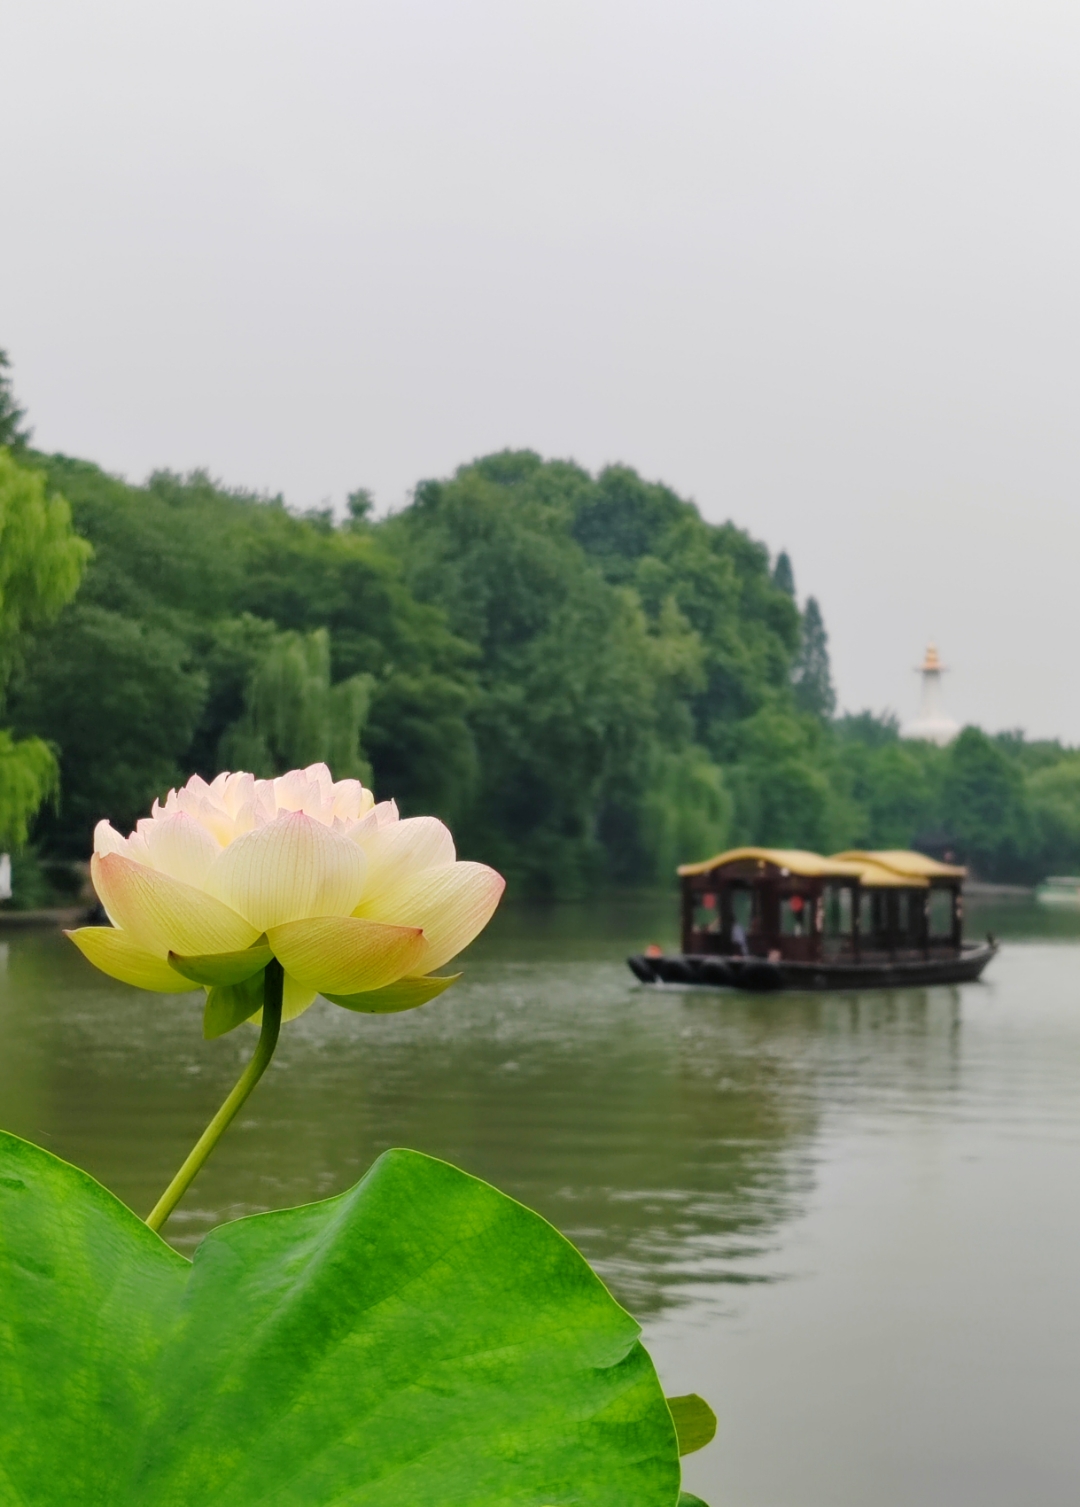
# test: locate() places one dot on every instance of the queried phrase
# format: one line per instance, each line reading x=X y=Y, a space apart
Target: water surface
x=851 y=1221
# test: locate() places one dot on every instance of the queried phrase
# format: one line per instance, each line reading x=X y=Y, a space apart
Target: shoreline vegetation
x=589 y=681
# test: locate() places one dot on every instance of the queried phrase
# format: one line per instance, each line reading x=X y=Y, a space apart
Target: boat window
x=706 y=913
x=742 y=906
x=795 y=913
x=941 y=909
x=837 y=910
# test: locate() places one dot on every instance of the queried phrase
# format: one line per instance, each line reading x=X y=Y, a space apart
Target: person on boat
x=738 y=939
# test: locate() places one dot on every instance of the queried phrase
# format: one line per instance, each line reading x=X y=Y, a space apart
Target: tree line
x=589 y=681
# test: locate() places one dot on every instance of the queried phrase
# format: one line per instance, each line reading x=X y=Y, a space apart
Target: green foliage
x=589 y=681
x=11 y=415
x=783 y=575
x=29 y=776
x=421 y=1338
x=983 y=803
x=686 y=807
x=1053 y=794
x=41 y=559
x=812 y=677
x=789 y=792
x=209 y=615
x=896 y=786
x=121 y=700
x=293 y=716
x=619 y=639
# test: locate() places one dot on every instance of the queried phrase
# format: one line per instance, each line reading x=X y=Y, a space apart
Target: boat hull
x=763 y=976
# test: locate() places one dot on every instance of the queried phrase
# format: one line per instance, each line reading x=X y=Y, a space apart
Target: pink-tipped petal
x=179 y=846
x=162 y=914
x=108 y=840
x=345 y=955
x=452 y=904
x=116 y=954
x=292 y=868
x=400 y=850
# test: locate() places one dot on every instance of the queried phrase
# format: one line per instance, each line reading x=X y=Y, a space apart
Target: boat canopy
x=909 y=865
x=875 y=876
x=794 y=860
x=894 y=869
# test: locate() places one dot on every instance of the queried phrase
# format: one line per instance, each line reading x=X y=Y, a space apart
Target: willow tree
x=41 y=564
x=293 y=716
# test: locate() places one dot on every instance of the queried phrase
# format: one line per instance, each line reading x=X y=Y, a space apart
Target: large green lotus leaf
x=420 y=1341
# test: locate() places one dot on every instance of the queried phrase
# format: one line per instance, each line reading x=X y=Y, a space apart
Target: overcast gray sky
x=812 y=262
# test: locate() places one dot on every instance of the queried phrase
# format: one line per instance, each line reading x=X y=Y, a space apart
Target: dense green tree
x=29 y=776
x=1053 y=795
x=895 y=785
x=983 y=804
x=41 y=558
x=12 y=434
x=207 y=581
x=590 y=681
x=643 y=534
x=121 y=700
x=812 y=675
x=619 y=638
x=293 y=716
x=564 y=699
x=41 y=562
x=783 y=575
x=788 y=790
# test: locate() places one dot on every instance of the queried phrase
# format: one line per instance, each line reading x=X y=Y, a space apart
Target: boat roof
x=902 y=861
x=875 y=876
x=795 y=860
x=886 y=870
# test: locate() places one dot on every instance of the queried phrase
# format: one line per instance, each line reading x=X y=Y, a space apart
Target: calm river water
x=852 y=1222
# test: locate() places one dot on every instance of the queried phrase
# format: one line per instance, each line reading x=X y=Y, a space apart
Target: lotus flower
x=354 y=903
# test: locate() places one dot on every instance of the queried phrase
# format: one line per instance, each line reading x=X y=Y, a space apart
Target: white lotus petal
x=385 y=814
x=300 y=790
x=162 y=914
x=295 y=998
x=180 y=846
x=108 y=840
x=116 y=954
x=451 y=904
x=401 y=849
x=237 y=792
x=345 y=954
x=351 y=800
x=288 y=870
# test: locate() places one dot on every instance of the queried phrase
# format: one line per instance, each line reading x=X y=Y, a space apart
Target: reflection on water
x=848 y=1219
x=667 y=1140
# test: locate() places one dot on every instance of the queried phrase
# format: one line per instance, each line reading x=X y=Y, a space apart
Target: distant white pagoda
x=931 y=724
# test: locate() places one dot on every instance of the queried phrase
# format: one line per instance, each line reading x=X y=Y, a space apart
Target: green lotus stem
x=273 y=984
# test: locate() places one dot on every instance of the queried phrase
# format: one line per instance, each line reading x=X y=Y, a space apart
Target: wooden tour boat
x=766 y=918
